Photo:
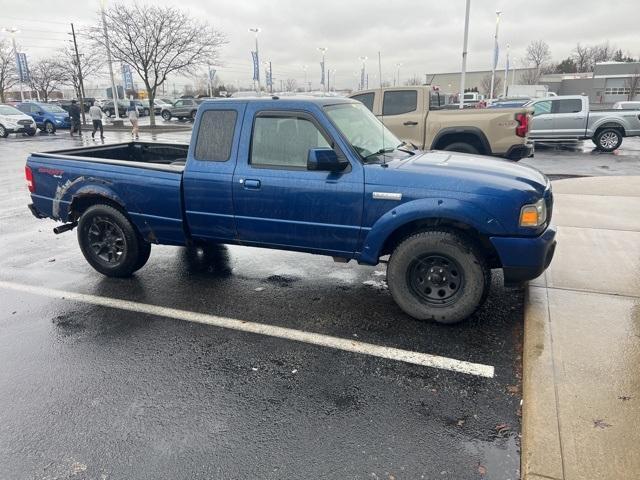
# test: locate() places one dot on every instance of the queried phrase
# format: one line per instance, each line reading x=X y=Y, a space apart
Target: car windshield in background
x=362 y=129
x=8 y=110
x=53 y=109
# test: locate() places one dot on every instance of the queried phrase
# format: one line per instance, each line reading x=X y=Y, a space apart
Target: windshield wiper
x=379 y=152
x=410 y=152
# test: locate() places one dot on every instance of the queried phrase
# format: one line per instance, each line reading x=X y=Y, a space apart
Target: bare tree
x=413 y=80
x=158 y=41
x=633 y=84
x=485 y=85
x=46 y=77
x=90 y=62
x=538 y=54
x=8 y=74
x=583 y=58
x=290 y=85
x=602 y=52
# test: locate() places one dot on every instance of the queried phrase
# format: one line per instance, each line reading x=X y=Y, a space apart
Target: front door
x=403 y=115
x=542 y=121
x=278 y=202
x=569 y=120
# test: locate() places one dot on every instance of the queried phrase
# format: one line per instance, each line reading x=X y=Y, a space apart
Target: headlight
x=534 y=215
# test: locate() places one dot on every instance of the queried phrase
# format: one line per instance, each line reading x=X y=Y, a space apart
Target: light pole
x=80 y=81
x=256 y=30
x=464 y=53
x=324 y=84
x=506 y=73
x=363 y=58
x=12 y=31
x=304 y=69
x=114 y=90
x=495 y=54
x=398 y=65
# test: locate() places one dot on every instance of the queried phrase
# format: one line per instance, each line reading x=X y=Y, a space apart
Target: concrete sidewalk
x=581 y=411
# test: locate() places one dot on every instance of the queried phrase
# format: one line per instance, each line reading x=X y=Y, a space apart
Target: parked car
x=158 y=105
x=13 y=120
x=509 y=103
x=182 y=108
x=65 y=104
x=109 y=110
x=48 y=117
x=319 y=175
x=629 y=105
x=419 y=116
x=568 y=118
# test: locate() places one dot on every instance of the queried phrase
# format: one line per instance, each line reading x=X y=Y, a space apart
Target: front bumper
x=20 y=128
x=525 y=258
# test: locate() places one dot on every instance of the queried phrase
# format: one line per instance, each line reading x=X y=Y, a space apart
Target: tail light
x=523 y=124
x=29 y=176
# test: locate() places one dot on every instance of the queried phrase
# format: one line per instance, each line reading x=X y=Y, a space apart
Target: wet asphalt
x=92 y=392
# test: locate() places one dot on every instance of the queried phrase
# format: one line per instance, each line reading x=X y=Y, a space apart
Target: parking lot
x=247 y=363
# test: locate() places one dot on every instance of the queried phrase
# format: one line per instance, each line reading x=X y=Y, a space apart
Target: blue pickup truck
x=316 y=175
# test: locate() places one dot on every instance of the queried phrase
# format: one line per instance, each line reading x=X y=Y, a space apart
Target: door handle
x=410 y=123
x=251 y=184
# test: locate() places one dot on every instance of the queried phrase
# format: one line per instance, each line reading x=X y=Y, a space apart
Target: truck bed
x=144 y=154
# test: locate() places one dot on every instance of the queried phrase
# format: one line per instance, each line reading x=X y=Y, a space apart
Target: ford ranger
x=418 y=116
x=316 y=175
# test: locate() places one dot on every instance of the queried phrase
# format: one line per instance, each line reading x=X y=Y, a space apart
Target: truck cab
x=417 y=115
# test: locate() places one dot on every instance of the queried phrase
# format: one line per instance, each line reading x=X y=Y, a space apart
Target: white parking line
x=337 y=343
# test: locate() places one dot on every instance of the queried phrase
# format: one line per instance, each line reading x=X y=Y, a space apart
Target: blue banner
x=127 y=77
x=23 y=67
x=212 y=74
x=496 y=53
x=256 y=66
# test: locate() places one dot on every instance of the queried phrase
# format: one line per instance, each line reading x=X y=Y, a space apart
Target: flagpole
x=506 y=74
x=495 y=54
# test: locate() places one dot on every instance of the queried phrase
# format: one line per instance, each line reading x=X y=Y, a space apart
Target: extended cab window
x=284 y=141
x=366 y=99
x=542 y=107
x=573 y=105
x=215 y=135
x=399 y=102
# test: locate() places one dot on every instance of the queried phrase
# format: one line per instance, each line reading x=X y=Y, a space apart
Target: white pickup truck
x=568 y=118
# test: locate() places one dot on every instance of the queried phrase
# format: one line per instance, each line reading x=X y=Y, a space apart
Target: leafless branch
x=8 y=74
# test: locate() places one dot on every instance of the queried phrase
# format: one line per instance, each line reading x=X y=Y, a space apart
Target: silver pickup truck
x=568 y=118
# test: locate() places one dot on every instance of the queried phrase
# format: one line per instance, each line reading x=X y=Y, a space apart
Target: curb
x=541 y=446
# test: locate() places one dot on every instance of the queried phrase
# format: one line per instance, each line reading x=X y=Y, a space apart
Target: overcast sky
x=424 y=35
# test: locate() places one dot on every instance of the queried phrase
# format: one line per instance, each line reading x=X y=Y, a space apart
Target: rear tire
x=49 y=127
x=438 y=275
x=192 y=116
x=110 y=242
x=608 y=139
x=462 y=148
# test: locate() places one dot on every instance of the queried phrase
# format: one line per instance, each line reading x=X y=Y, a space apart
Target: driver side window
x=541 y=108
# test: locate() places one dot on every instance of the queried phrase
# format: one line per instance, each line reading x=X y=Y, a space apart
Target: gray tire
x=608 y=139
x=462 y=148
x=166 y=115
x=3 y=132
x=49 y=127
x=438 y=275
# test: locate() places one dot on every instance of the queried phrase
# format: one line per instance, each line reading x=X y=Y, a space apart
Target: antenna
x=384 y=155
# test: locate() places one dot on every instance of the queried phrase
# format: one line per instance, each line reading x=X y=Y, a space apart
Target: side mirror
x=325 y=159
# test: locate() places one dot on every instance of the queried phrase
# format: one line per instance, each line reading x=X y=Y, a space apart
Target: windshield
x=362 y=129
x=8 y=110
x=52 y=109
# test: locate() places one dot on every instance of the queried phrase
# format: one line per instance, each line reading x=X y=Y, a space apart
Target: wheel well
x=463 y=137
x=614 y=126
x=411 y=228
x=81 y=203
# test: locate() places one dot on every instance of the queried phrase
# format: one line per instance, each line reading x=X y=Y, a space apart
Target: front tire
x=166 y=115
x=438 y=275
x=110 y=242
x=192 y=116
x=462 y=148
x=31 y=132
x=107 y=112
x=49 y=127
x=3 y=132
x=608 y=139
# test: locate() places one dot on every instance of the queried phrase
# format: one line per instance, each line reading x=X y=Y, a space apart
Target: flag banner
x=256 y=67
x=127 y=77
x=23 y=67
x=212 y=74
x=321 y=73
x=496 y=54
x=362 y=80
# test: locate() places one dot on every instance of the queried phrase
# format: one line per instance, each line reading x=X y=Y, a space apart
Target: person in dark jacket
x=74 y=114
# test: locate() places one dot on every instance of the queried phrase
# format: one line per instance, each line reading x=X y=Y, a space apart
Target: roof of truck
x=292 y=100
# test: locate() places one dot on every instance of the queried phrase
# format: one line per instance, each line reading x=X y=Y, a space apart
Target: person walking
x=95 y=113
x=132 y=113
x=74 y=114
